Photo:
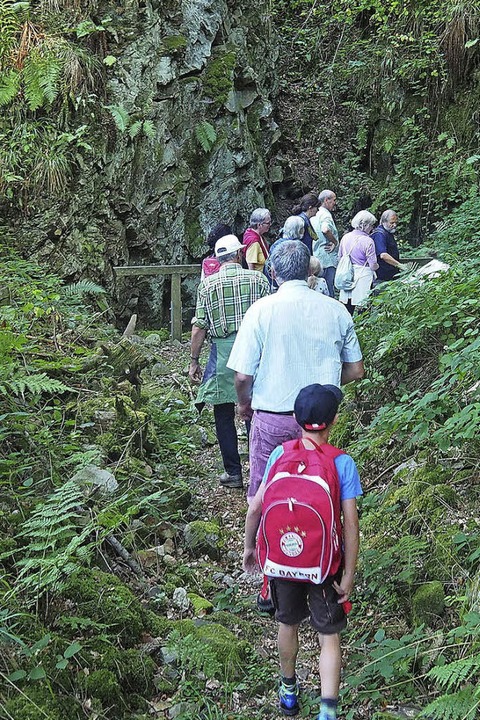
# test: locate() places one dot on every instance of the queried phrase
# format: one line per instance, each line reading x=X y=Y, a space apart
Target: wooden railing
x=175 y=272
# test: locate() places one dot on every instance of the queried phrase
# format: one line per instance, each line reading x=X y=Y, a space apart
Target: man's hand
x=250 y=564
x=344 y=589
x=408 y=267
x=245 y=411
x=195 y=372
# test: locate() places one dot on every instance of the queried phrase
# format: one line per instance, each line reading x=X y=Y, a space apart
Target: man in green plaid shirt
x=222 y=300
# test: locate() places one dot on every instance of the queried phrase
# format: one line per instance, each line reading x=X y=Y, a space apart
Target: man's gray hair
x=290 y=260
x=294 y=228
x=325 y=195
x=258 y=217
x=386 y=216
x=363 y=220
x=227 y=258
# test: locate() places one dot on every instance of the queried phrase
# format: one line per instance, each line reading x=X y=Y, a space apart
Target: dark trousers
x=224 y=415
x=329 y=276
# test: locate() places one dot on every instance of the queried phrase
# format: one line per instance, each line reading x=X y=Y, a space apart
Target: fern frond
x=206 y=135
x=462 y=705
x=41 y=76
x=148 y=128
x=120 y=116
x=81 y=288
x=135 y=128
x=9 y=86
x=35 y=384
x=455 y=673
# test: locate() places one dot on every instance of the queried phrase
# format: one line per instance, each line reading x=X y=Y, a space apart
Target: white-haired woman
x=254 y=243
x=361 y=248
x=293 y=229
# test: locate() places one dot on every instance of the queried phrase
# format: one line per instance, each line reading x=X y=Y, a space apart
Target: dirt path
x=237 y=590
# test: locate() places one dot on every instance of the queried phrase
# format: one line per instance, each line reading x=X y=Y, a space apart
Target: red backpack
x=299 y=537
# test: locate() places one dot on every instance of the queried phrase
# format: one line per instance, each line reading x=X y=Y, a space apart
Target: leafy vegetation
x=395 y=86
x=46 y=79
x=415 y=437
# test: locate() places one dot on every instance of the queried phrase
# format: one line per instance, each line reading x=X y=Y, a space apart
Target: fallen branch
x=125 y=555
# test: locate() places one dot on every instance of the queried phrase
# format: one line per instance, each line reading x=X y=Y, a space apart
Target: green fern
x=455 y=673
x=462 y=705
x=34 y=384
x=41 y=76
x=148 y=129
x=81 y=288
x=9 y=86
x=54 y=538
x=135 y=128
x=11 y=15
x=120 y=116
x=206 y=135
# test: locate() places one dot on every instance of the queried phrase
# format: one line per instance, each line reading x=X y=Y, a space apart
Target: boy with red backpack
x=302 y=545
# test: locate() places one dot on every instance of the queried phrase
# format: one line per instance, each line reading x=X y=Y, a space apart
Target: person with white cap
x=222 y=301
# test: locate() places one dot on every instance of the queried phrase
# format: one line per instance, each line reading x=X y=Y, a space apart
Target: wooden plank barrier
x=175 y=272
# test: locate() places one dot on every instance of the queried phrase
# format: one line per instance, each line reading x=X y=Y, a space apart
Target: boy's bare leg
x=329 y=663
x=287 y=648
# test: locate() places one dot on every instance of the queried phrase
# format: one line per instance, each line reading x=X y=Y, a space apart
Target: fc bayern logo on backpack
x=300 y=530
x=291 y=544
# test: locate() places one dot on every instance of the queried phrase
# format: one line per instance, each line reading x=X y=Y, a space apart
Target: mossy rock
x=217 y=78
x=434 y=499
x=428 y=603
x=230 y=651
x=133 y=670
x=174 y=43
x=156 y=625
x=210 y=648
x=204 y=538
x=201 y=606
x=103 y=685
x=35 y=702
x=104 y=598
x=234 y=623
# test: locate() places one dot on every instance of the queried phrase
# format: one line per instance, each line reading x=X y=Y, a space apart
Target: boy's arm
x=351 y=542
x=252 y=522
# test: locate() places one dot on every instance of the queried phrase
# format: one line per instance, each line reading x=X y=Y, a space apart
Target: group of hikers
x=281 y=346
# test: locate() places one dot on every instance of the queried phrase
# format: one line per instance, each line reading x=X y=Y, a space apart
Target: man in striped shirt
x=222 y=301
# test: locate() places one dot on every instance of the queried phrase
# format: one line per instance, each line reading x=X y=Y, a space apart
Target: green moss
x=156 y=625
x=34 y=703
x=241 y=628
x=428 y=603
x=133 y=670
x=194 y=238
x=174 y=43
x=230 y=651
x=218 y=77
x=204 y=538
x=102 y=684
x=106 y=599
x=201 y=606
x=435 y=498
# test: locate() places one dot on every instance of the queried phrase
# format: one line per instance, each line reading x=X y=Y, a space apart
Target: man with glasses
x=386 y=247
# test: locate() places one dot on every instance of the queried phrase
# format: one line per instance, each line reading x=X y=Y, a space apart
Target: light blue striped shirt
x=292 y=339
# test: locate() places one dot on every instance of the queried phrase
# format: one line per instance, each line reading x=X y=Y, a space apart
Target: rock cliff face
x=191 y=95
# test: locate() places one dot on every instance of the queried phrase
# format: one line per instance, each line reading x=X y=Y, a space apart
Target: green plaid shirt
x=224 y=298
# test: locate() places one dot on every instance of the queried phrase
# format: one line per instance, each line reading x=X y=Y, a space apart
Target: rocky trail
x=236 y=590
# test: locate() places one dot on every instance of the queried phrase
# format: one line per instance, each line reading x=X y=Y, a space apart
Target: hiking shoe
x=288 y=697
x=231 y=481
x=265 y=605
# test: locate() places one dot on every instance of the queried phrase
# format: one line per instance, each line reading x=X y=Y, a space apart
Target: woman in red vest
x=256 y=246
